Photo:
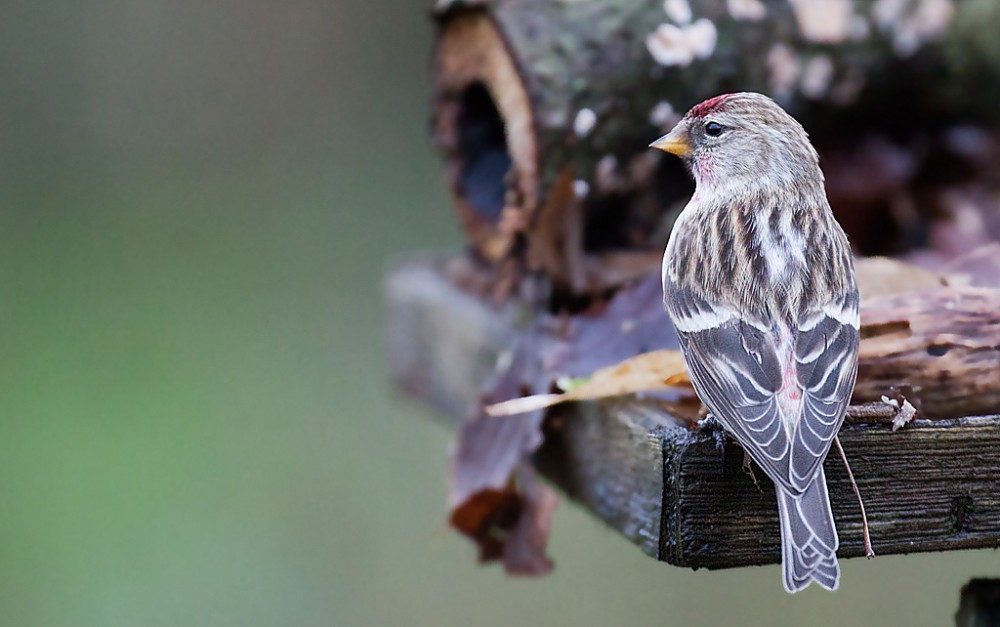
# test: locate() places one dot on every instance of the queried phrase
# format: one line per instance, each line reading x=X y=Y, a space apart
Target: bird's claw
x=709 y=423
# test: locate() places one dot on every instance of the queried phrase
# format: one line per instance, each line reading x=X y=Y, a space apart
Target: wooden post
x=980 y=604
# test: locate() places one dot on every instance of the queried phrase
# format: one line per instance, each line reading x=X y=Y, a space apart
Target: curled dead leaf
x=495 y=498
x=646 y=372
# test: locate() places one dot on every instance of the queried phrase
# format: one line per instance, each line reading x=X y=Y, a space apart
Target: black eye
x=713 y=129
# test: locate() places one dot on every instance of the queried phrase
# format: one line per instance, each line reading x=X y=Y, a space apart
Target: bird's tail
x=808 y=537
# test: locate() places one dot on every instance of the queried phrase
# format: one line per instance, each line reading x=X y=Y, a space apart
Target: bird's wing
x=826 y=356
x=736 y=371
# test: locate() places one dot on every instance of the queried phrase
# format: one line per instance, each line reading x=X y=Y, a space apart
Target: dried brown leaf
x=524 y=551
x=494 y=497
x=646 y=372
x=483 y=514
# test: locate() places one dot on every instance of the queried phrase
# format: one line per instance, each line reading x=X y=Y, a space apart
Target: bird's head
x=743 y=141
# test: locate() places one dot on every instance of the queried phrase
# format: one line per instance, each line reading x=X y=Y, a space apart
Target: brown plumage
x=759 y=282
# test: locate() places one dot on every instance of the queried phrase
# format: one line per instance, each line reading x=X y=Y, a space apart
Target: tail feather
x=808 y=537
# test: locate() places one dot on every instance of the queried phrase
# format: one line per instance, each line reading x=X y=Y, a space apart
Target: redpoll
x=759 y=282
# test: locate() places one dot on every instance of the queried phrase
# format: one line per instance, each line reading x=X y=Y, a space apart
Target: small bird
x=759 y=281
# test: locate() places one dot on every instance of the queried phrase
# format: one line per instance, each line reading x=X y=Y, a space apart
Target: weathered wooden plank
x=932 y=486
x=613 y=467
x=682 y=495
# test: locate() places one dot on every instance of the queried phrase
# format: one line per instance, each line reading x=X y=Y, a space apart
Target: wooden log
x=938 y=347
x=680 y=494
x=544 y=109
x=941 y=347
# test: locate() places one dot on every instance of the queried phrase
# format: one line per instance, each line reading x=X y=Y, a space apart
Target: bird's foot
x=709 y=423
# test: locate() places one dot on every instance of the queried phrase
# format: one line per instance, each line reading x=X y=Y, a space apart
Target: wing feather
x=826 y=354
x=737 y=372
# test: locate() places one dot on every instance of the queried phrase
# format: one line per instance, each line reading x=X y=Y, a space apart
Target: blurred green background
x=198 y=201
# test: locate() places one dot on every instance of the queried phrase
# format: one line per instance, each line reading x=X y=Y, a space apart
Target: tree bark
x=544 y=109
x=940 y=348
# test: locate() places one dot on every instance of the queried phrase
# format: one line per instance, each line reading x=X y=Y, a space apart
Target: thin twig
x=869 y=411
x=869 y=552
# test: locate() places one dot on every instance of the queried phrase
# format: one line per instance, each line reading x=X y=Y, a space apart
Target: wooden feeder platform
x=681 y=493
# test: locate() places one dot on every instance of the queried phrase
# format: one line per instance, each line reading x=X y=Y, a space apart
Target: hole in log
x=937 y=350
x=484 y=158
x=963 y=505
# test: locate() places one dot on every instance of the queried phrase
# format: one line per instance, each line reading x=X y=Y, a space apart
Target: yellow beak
x=674 y=143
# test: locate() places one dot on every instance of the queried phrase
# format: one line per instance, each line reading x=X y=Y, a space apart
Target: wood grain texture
x=932 y=486
x=682 y=495
x=940 y=345
x=614 y=468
